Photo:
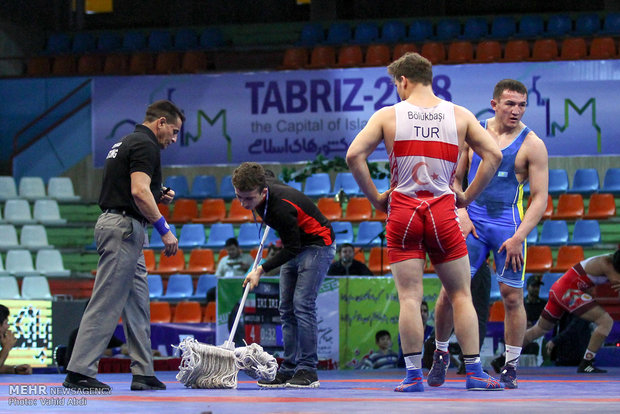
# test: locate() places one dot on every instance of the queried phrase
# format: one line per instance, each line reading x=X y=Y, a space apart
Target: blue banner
x=293 y=116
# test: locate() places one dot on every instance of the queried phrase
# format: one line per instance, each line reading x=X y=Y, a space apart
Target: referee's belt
x=127 y=213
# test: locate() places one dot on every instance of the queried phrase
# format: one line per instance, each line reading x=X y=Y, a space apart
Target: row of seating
x=181 y=286
x=48 y=262
x=539 y=258
x=32 y=287
x=585 y=181
x=455 y=52
x=555 y=233
x=17 y=211
x=183 y=312
x=33 y=188
x=31 y=237
x=601 y=206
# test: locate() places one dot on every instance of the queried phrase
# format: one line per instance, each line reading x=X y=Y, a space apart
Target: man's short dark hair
x=380 y=334
x=343 y=245
x=508 y=85
x=4 y=313
x=249 y=176
x=412 y=66
x=231 y=242
x=164 y=108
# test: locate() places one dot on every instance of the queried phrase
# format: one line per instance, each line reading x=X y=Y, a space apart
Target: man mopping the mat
x=308 y=249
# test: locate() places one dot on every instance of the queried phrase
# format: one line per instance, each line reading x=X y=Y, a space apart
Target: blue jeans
x=300 y=280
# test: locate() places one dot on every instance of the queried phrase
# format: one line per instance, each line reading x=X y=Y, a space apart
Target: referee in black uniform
x=132 y=187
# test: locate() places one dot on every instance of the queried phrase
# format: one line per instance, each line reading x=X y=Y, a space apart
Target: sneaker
x=144 y=383
x=437 y=373
x=413 y=383
x=587 y=367
x=498 y=363
x=76 y=381
x=509 y=377
x=278 y=382
x=304 y=378
x=482 y=382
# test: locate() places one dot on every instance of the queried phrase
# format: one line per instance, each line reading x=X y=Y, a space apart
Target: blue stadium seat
x=531 y=27
x=382 y=184
x=248 y=235
x=495 y=292
x=159 y=40
x=585 y=181
x=155 y=240
x=587 y=24
x=179 y=184
x=368 y=234
x=554 y=233
x=503 y=27
x=558 y=181
x=83 y=42
x=318 y=185
x=532 y=238
x=343 y=231
x=156 y=286
x=611 y=24
x=186 y=39
x=586 y=233
x=134 y=41
x=559 y=25
x=192 y=236
x=475 y=28
x=419 y=31
x=218 y=234
x=204 y=284
x=109 y=42
x=548 y=280
x=180 y=286
x=295 y=184
x=393 y=31
x=338 y=34
x=227 y=190
x=58 y=44
x=311 y=35
x=448 y=29
x=211 y=38
x=203 y=186
x=611 y=181
x=346 y=182
x=365 y=33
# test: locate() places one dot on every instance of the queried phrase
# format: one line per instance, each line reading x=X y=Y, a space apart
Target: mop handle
x=259 y=255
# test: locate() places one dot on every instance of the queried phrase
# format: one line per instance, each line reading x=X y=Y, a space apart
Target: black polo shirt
x=137 y=152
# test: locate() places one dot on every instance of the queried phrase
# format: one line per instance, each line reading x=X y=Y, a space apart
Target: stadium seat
x=548 y=280
x=297 y=185
x=211 y=38
x=171 y=264
x=38 y=66
x=318 y=185
x=611 y=182
x=434 y=51
x=420 y=31
x=585 y=181
x=8 y=188
x=393 y=31
x=8 y=237
x=586 y=233
x=227 y=190
x=49 y=263
x=377 y=55
x=179 y=184
x=461 y=51
x=149 y=260
x=200 y=261
x=369 y=234
x=375 y=261
x=311 y=35
x=568 y=256
x=141 y=63
x=558 y=181
x=185 y=39
x=346 y=182
x=155 y=239
x=295 y=58
x=248 y=235
x=218 y=234
x=548 y=211
x=159 y=40
x=160 y=312
x=365 y=33
x=58 y=44
x=343 y=231
x=204 y=284
x=167 y=63
x=322 y=57
x=187 y=312
x=180 y=286
x=203 y=186
x=588 y=24
x=83 y=42
x=192 y=236
x=532 y=237
x=89 y=65
x=212 y=211
x=164 y=209
x=602 y=206
x=516 y=50
x=402 y=48
x=17 y=211
x=488 y=51
x=10 y=288
x=330 y=208
x=36 y=287
x=573 y=48
x=570 y=207
x=184 y=211
x=503 y=27
x=554 y=233
x=238 y=214
x=358 y=209
x=31 y=188
x=338 y=34
x=539 y=259
x=156 y=286
x=602 y=48
x=559 y=25
x=448 y=29
x=65 y=65
x=133 y=41
x=115 y=64
x=34 y=237
x=109 y=41
x=19 y=263
x=475 y=28
x=544 y=50
x=382 y=184
x=210 y=315
x=194 y=61
x=497 y=311
x=350 y=56
x=530 y=27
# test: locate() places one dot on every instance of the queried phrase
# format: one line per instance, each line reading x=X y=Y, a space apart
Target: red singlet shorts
x=417 y=226
x=566 y=295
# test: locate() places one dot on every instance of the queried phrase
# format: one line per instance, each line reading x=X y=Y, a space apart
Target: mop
x=208 y=366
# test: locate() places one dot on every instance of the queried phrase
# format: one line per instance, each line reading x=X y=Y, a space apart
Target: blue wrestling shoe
x=413 y=382
x=481 y=381
x=509 y=377
x=437 y=374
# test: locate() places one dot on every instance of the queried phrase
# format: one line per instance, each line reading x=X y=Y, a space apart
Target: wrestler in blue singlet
x=497 y=213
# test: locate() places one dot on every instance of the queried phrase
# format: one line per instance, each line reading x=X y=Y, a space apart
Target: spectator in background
x=346 y=265
x=384 y=357
x=236 y=263
x=8 y=341
x=273 y=249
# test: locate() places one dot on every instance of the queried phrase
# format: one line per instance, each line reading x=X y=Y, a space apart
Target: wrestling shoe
x=498 y=363
x=304 y=378
x=145 y=383
x=481 y=381
x=587 y=367
x=437 y=373
x=413 y=382
x=278 y=382
x=509 y=377
x=76 y=381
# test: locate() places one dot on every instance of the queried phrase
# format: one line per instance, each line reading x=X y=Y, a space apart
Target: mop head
x=208 y=366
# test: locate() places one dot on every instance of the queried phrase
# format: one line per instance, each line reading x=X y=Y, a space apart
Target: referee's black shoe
x=145 y=383
x=76 y=381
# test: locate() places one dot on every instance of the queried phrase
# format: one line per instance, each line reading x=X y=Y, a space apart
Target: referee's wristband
x=161 y=226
